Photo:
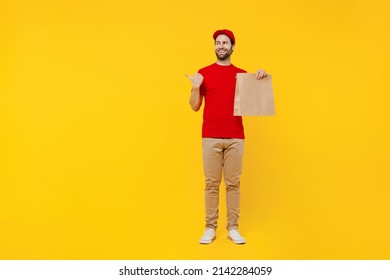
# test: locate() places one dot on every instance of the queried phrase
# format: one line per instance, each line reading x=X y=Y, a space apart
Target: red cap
x=226 y=32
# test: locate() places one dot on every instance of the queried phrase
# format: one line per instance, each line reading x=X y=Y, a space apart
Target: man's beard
x=224 y=56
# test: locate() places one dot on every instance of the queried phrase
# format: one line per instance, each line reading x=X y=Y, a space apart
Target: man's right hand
x=196 y=80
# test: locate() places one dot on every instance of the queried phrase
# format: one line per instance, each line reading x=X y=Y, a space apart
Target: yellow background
x=100 y=153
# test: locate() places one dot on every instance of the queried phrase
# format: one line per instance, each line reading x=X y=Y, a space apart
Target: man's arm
x=196 y=97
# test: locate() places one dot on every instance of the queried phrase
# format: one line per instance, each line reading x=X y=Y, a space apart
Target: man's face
x=223 y=47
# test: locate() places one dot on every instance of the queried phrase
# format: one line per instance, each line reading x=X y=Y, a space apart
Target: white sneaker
x=235 y=236
x=208 y=236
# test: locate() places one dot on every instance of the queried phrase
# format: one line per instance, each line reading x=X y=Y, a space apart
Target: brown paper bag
x=253 y=97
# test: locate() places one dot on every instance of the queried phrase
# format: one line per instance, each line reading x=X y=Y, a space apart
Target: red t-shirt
x=218 y=88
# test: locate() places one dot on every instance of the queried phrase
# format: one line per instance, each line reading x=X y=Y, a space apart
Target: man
x=222 y=134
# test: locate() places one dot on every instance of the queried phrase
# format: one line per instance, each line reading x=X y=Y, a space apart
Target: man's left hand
x=260 y=74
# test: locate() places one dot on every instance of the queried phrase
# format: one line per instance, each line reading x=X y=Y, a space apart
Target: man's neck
x=225 y=62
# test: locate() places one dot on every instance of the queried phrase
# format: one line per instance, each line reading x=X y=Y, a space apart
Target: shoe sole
x=206 y=242
x=236 y=242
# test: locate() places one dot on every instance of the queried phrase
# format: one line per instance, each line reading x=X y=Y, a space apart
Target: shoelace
x=235 y=234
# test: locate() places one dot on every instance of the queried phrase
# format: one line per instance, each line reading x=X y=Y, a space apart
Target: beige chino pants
x=222 y=156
